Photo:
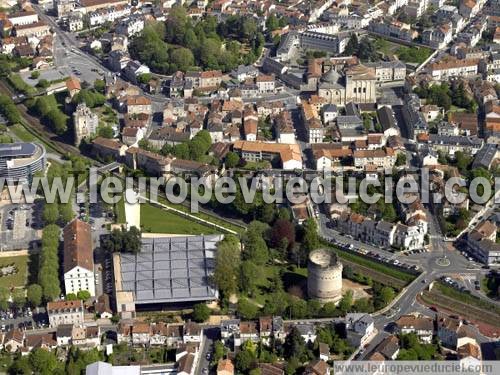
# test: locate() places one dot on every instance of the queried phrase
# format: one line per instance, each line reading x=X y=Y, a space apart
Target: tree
x=57 y=121
x=272 y=23
x=20 y=366
x=132 y=240
x=255 y=245
x=105 y=131
x=181 y=151
x=310 y=240
x=35 y=74
x=100 y=86
x=19 y=298
x=282 y=230
x=90 y=97
x=267 y=213
x=43 y=83
x=50 y=213
x=389 y=213
x=150 y=49
x=401 y=159
x=144 y=78
x=362 y=305
x=352 y=45
x=367 y=50
x=227 y=263
x=43 y=361
x=386 y=295
x=345 y=303
x=71 y=297
x=232 y=159
x=83 y=295
x=9 y=109
x=244 y=360
x=201 y=312
x=181 y=59
x=34 y=295
x=294 y=345
x=66 y=212
x=250 y=273
x=246 y=309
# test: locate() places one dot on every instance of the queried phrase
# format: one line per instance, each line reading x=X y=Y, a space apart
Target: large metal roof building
x=168 y=270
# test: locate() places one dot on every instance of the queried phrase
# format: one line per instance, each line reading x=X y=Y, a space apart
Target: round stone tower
x=324 y=280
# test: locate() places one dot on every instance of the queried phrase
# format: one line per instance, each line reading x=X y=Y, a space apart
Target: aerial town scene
x=261 y=187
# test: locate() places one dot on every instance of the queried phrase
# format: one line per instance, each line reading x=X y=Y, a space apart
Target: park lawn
x=120 y=212
x=21 y=132
x=157 y=220
x=19 y=279
x=413 y=54
x=384 y=46
x=19 y=85
x=257 y=165
x=202 y=215
x=291 y=277
x=24 y=135
x=264 y=287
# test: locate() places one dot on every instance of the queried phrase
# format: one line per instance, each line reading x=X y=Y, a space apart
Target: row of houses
x=455 y=337
x=84 y=337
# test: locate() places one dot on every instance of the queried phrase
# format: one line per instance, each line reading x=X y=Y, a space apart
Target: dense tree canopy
x=227 y=264
x=181 y=44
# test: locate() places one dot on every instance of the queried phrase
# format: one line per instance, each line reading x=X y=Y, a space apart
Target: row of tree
x=48 y=272
x=123 y=241
x=9 y=110
x=42 y=361
x=46 y=108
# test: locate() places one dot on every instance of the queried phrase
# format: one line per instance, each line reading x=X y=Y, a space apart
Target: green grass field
x=157 y=220
x=22 y=133
x=211 y=218
x=120 y=212
x=18 y=279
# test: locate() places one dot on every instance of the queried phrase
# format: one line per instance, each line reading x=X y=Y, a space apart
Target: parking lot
x=19 y=224
x=24 y=319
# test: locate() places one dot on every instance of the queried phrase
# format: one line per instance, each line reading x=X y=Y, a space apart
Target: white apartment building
x=78 y=258
x=23 y=18
x=65 y=312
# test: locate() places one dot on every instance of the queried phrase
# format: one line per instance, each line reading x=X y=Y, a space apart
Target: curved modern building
x=324 y=276
x=20 y=161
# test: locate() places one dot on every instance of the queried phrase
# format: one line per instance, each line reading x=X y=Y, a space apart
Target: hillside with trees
x=183 y=44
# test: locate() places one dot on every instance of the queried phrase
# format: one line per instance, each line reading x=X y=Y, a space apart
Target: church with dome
x=341 y=84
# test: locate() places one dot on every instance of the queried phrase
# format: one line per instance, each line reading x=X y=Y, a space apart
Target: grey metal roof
x=386 y=118
x=9 y=150
x=171 y=269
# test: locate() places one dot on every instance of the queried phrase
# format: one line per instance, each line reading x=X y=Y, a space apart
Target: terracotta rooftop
x=107 y=143
x=286 y=151
x=225 y=365
x=138 y=100
x=78 y=249
x=61 y=305
x=73 y=83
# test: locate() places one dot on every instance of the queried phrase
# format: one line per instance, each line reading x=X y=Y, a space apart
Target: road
x=432 y=265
